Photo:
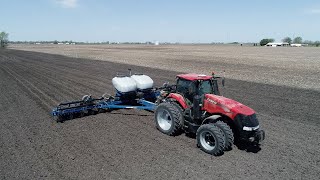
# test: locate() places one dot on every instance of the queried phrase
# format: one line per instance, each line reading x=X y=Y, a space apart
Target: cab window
x=206 y=88
x=187 y=88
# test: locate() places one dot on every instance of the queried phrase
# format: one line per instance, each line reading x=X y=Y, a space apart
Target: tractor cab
x=190 y=85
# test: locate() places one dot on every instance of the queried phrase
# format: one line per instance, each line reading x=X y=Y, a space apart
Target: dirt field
x=125 y=144
x=293 y=67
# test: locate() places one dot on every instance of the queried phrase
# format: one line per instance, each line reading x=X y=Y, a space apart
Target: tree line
x=296 y=40
x=75 y=42
x=4 y=38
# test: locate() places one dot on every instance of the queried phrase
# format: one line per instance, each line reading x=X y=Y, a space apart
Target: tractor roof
x=193 y=77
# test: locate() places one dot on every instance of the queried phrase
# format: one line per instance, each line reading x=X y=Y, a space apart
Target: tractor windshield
x=206 y=87
x=190 y=88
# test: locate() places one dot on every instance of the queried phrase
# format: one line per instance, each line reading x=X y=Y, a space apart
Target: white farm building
x=278 y=44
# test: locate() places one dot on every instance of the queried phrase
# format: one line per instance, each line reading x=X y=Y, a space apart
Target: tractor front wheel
x=228 y=134
x=210 y=139
x=168 y=119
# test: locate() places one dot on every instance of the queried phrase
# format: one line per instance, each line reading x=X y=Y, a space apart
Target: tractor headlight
x=245 y=128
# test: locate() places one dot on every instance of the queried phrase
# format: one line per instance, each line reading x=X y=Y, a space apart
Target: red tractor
x=194 y=105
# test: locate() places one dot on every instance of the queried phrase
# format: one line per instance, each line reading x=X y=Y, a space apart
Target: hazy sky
x=162 y=20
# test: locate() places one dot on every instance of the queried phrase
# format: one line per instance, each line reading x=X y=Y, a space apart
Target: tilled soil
x=125 y=144
x=282 y=66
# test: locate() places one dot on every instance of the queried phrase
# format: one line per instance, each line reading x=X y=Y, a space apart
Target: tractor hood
x=214 y=103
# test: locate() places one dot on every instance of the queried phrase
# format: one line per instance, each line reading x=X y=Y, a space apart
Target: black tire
x=101 y=111
x=181 y=112
x=168 y=119
x=69 y=116
x=58 y=119
x=82 y=114
x=228 y=134
x=92 y=112
x=210 y=139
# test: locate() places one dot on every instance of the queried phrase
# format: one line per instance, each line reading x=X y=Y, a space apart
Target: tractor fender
x=212 y=118
x=178 y=98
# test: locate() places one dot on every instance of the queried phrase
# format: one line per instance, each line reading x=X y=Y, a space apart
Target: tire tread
x=229 y=137
x=220 y=138
x=177 y=118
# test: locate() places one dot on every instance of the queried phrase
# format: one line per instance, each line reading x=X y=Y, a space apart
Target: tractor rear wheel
x=180 y=110
x=228 y=134
x=168 y=119
x=210 y=139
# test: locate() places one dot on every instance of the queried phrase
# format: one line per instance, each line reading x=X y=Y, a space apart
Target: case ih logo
x=212 y=101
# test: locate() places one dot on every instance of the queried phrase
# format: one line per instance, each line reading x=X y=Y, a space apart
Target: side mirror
x=223 y=78
x=223 y=81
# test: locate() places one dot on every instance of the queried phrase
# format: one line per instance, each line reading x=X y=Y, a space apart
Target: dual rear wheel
x=169 y=119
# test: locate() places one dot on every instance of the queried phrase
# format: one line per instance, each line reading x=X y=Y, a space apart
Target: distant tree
x=316 y=43
x=297 y=40
x=55 y=42
x=4 y=38
x=287 y=40
x=308 y=42
x=266 y=41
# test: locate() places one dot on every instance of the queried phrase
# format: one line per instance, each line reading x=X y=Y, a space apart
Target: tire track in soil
x=78 y=77
x=35 y=92
x=55 y=90
x=21 y=138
